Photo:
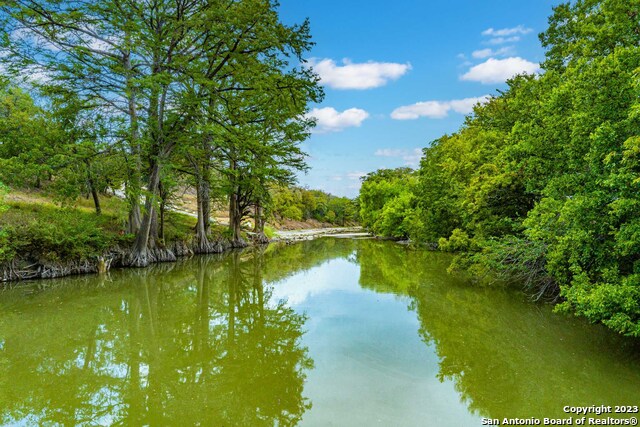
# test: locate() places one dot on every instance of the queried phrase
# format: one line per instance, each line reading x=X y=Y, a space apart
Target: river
x=330 y=332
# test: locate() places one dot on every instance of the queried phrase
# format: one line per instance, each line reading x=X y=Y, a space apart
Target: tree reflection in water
x=506 y=356
x=206 y=342
x=194 y=343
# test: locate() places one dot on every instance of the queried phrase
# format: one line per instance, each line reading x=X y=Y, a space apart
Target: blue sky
x=399 y=74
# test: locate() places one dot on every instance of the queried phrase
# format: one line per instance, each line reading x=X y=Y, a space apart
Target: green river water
x=330 y=332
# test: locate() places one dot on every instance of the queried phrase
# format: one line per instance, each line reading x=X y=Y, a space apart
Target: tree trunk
x=257 y=218
x=140 y=256
x=133 y=182
x=164 y=195
x=206 y=199
x=96 y=201
x=235 y=219
x=235 y=213
x=153 y=230
x=258 y=227
x=92 y=189
x=135 y=220
x=143 y=251
x=203 y=225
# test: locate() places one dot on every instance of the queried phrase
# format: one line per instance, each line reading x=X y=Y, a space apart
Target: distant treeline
x=542 y=182
x=300 y=204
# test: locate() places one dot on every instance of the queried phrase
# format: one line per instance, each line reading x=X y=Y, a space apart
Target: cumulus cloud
x=505 y=32
x=487 y=53
x=499 y=70
x=431 y=109
x=365 y=75
x=436 y=109
x=410 y=157
x=328 y=119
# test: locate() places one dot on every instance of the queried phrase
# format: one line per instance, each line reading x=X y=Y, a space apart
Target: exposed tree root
x=260 y=238
x=239 y=243
x=25 y=269
x=138 y=259
x=215 y=247
x=163 y=255
x=182 y=250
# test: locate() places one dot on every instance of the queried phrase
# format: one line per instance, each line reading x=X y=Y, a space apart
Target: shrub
x=458 y=241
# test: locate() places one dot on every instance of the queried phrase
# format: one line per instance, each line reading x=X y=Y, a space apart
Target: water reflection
x=221 y=341
x=507 y=356
x=204 y=345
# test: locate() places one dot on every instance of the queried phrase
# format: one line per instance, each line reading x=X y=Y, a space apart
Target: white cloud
x=487 y=53
x=503 y=40
x=328 y=119
x=413 y=158
x=366 y=75
x=505 y=32
x=465 y=106
x=431 y=109
x=482 y=53
x=410 y=157
x=499 y=70
x=505 y=35
x=436 y=109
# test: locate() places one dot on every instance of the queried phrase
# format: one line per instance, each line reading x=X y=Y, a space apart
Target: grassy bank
x=37 y=233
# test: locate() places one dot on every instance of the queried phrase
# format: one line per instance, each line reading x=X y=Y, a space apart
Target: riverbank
x=41 y=240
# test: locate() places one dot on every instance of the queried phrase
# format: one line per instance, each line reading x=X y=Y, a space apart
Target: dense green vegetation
x=35 y=230
x=542 y=183
x=147 y=101
x=301 y=204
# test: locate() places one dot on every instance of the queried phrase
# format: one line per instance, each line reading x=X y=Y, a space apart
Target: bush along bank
x=39 y=240
x=542 y=182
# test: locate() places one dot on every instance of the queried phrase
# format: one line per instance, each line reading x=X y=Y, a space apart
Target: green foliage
x=458 y=241
x=217 y=97
x=542 y=182
x=270 y=232
x=395 y=216
x=4 y=190
x=386 y=201
x=300 y=204
x=179 y=227
x=37 y=230
x=50 y=234
x=292 y=212
x=26 y=142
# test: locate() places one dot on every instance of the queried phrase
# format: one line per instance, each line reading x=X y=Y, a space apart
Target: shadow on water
x=197 y=342
x=507 y=356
